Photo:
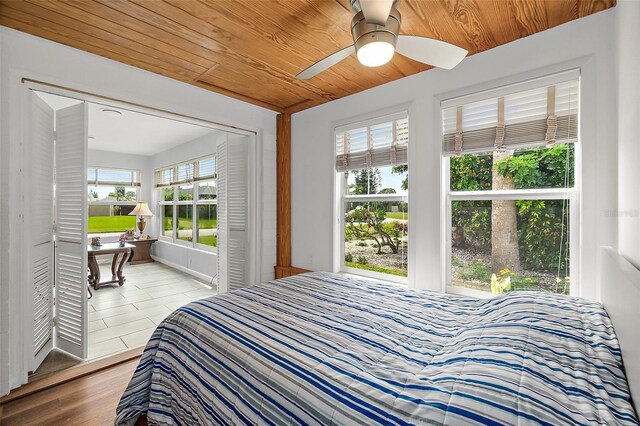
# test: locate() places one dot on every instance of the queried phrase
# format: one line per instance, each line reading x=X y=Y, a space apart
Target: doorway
x=112 y=167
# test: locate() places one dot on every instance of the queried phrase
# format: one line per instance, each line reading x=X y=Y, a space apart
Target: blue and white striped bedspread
x=324 y=349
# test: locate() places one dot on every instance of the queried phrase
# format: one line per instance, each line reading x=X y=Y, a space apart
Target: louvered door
x=71 y=225
x=232 y=160
x=40 y=216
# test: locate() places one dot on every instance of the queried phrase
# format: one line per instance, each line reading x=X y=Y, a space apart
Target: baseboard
x=181 y=268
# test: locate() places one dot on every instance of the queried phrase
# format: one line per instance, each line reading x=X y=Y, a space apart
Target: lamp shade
x=142 y=209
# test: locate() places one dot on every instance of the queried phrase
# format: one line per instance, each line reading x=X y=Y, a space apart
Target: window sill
x=376 y=276
x=462 y=291
x=165 y=240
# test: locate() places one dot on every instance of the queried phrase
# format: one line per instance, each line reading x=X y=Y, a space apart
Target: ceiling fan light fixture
x=376 y=53
x=375 y=44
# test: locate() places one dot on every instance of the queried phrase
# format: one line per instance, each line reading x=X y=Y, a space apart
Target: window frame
x=342 y=201
x=194 y=202
x=570 y=194
x=111 y=204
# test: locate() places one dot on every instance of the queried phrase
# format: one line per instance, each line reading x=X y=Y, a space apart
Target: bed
x=323 y=348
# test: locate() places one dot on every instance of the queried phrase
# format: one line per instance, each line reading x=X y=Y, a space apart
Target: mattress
x=325 y=349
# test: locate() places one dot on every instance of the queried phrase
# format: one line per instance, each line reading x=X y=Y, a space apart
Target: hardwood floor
x=88 y=400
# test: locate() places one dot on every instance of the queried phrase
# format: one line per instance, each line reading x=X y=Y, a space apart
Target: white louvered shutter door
x=223 y=246
x=71 y=225
x=233 y=172
x=40 y=211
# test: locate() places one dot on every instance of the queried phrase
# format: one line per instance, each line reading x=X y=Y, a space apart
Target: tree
x=541 y=224
x=388 y=204
x=505 y=253
x=368 y=223
x=367 y=181
x=121 y=194
x=402 y=170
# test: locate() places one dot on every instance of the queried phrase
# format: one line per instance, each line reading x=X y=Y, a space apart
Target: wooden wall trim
x=283 y=170
x=283 y=266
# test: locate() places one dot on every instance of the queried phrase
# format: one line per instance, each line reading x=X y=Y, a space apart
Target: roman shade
x=112 y=177
x=186 y=173
x=375 y=143
x=538 y=112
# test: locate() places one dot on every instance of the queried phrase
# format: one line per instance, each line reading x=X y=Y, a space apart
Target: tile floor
x=124 y=317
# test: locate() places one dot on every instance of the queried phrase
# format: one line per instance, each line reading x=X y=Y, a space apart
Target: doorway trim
x=255 y=201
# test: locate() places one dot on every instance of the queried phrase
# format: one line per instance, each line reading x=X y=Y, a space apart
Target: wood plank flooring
x=89 y=400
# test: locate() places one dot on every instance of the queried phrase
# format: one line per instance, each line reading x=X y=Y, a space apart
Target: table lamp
x=141 y=210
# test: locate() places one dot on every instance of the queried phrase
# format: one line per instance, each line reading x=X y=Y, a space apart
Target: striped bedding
x=323 y=349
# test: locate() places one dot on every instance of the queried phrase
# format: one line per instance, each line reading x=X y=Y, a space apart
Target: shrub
x=362 y=260
x=348 y=257
x=361 y=243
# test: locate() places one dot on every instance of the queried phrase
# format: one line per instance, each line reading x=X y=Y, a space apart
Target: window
x=371 y=162
x=511 y=163
x=188 y=204
x=113 y=194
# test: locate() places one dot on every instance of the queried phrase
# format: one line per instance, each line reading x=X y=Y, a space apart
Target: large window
x=371 y=162
x=511 y=194
x=112 y=195
x=188 y=203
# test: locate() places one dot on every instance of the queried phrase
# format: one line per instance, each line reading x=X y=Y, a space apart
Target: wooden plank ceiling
x=252 y=49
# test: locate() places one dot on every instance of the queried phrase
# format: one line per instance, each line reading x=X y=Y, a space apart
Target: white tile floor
x=124 y=317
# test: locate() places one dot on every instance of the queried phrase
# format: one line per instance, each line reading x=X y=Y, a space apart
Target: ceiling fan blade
x=327 y=62
x=430 y=51
x=376 y=11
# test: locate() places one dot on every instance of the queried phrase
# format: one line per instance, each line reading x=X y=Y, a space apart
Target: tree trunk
x=504 y=224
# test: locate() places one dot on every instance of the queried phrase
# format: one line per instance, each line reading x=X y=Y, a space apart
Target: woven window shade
x=379 y=143
x=205 y=169
x=517 y=119
x=112 y=177
x=185 y=173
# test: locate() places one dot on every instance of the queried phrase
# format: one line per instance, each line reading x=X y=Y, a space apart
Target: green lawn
x=99 y=224
x=187 y=223
x=209 y=240
x=397 y=215
x=376 y=269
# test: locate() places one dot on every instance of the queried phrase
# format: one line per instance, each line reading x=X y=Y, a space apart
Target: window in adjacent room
x=511 y=170
x=113 y=194
x=371 y=162
x=188 y=203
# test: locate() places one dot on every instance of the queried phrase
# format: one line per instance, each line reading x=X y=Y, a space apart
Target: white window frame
x=571 y=194
x=197 y=202
x=340 y=197
x=343 y=200
x=114 y=203
x=194 y=206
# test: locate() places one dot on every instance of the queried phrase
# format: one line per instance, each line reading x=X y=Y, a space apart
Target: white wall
x=628 y=58
x=586 y=43
x=204 y=263
x=25 y=56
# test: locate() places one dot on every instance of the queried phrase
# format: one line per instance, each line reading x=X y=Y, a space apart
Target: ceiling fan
x=374 y=27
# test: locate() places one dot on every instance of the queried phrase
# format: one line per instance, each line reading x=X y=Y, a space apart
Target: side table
x=116 y=266
x=141 y=251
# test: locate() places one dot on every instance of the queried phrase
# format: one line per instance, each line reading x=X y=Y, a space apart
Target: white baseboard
x=181 y=268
